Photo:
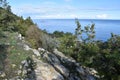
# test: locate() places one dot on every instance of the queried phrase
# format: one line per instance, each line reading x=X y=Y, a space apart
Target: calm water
x=103 y=28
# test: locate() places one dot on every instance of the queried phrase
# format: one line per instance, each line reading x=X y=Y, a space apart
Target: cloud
x=65 y=11
x=52 y=10
x=102 y=16
x=55 y=16
x=45 y=11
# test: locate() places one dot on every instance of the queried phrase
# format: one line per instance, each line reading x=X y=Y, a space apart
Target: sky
x=67 y=9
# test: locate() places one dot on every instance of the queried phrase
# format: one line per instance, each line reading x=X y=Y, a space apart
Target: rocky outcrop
x=44 y=65
x=56 y=66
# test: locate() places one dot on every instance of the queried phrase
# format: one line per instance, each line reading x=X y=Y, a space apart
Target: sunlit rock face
x=44 y=65
x=56 y=66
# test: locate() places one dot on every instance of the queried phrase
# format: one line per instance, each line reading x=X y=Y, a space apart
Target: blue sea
x=103 y=28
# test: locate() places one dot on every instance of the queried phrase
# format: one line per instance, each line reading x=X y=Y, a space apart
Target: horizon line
x=77 y=18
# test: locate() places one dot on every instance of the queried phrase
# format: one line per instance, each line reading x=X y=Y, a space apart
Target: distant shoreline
x=79 y=19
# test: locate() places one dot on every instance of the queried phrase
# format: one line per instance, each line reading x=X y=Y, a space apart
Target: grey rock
x=26 y=47
x=52 y=66
x=36 y=52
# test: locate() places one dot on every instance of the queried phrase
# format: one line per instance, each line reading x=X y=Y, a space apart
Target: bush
x=37 y=38
x=104 y=57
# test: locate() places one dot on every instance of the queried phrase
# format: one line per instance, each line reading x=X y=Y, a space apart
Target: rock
x=54 y=61
x=27 y=69
x=36 y=52
x=61 y=67
x=74 y=68
x=93 y=71
x=45 y=71
x=19 y=72
x=41 y=49
x=23 y=62
x=2 y=75
x=19 y=36
x=13 y=65
x=44 y=65
x=26 y=47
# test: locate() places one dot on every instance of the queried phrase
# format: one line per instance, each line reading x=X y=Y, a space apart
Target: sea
x=103 y=28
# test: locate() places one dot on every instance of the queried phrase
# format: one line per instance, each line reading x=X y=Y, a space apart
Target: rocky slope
x=39 y=64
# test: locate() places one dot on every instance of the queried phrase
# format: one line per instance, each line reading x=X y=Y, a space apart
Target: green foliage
x=6 y=18
x=66 y=41
x=37 y=38
x=11 y=54
x=33 y=36
x=109 y=59
x=22 y=25
x=4 y=5
x=86 y=53
x=12 y=23
x=88 y=32
x=58 y=34
x=104 y=57
x=48 y=43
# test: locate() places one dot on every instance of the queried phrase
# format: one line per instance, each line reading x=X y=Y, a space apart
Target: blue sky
x=83 y=9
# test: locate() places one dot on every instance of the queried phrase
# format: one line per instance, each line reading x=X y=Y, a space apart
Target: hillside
x=19 y=61
x=28 y=53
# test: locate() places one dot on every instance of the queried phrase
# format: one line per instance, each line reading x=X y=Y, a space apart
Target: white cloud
x=102 y=16
x=44 y=11
x=52 y=10
x=56 y=16
x=47 y=16
x=61 y=16
x=64 y=11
